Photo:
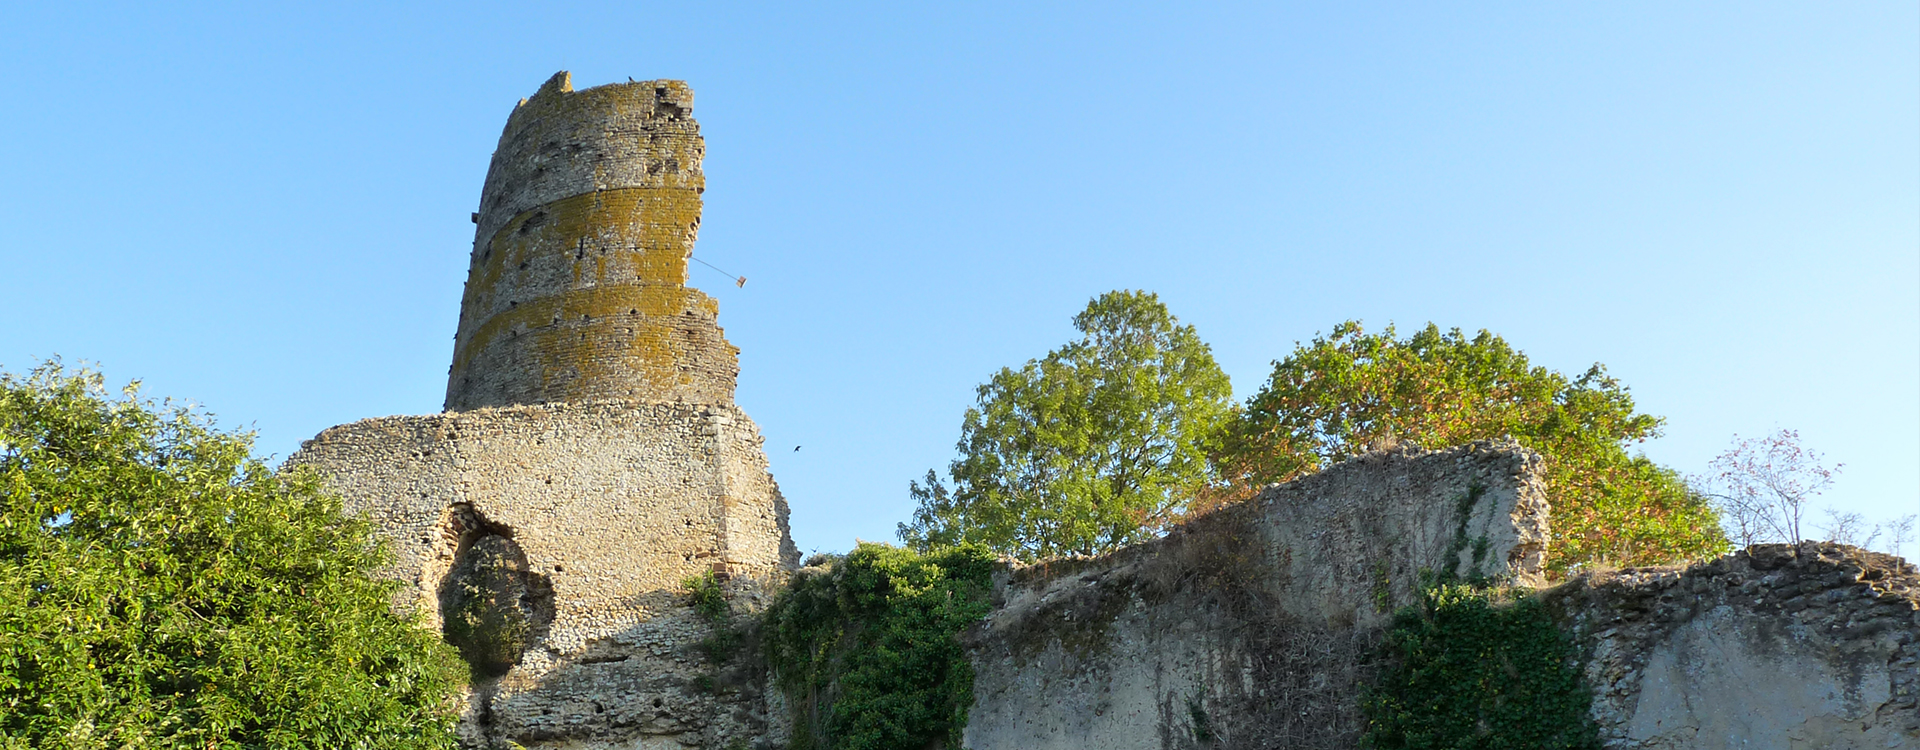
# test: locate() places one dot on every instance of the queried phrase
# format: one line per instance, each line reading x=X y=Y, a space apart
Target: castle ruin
x=590 y=458
x=590 y=461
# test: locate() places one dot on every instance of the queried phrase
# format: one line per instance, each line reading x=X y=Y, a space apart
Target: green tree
x=1099 y=444
x=1344 y=393
x=160 y=588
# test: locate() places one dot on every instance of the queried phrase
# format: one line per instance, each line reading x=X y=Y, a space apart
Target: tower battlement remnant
x=576 y=290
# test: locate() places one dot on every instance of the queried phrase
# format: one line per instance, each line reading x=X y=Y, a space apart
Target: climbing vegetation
x=1099 y=444
x=1344 y=393
x=160 y=588
x=1477 y=668
x=868 y=648
x=709 y=600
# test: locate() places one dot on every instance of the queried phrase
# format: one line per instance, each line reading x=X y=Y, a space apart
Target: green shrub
x=1351 y=391
x=869 y=647
x=709 y=600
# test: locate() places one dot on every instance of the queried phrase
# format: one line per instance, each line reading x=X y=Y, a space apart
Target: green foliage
x=1335 y=398
x=159 y=588
x=1382 y=586
x=1466 y=670
x=1098 y=445
x=1197 y=718
x=869 y=648
x=1463 y=515
x=709 y=600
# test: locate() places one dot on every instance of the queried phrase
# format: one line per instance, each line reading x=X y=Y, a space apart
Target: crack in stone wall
x=612 y=505
x=591 y=459
x=492 y=607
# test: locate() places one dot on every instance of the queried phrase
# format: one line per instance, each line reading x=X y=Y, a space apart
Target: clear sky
x=264 y=210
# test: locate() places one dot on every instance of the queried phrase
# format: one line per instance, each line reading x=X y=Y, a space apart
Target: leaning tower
x=577 y=288
x=590 y=459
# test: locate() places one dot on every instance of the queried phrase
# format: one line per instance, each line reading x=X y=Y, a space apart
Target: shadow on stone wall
x=657 y=684
x=1810 y=645
x=1257 y=626
x=492 y=607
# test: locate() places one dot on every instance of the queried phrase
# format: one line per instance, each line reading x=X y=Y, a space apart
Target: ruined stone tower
x=577 y=288
x=591 y=458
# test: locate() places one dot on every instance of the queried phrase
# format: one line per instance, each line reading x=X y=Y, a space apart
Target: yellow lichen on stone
x=576 y=289
x=653 y=115
x=590 y=458
x=646 y=224
x=611 y=307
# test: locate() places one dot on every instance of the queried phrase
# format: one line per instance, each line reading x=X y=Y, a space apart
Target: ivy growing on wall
x=868 y=648
x=1481 y=669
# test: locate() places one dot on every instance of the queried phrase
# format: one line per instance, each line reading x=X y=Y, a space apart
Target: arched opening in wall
x=492 y=607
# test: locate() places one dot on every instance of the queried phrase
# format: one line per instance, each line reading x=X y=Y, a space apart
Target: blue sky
x=265 y=209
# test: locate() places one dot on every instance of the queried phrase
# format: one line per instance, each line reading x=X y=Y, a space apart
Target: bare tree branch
x=1763 y=487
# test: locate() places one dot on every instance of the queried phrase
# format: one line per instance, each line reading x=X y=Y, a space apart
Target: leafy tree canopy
x=1335 y=398
x=159 y=588
x=1097 y=445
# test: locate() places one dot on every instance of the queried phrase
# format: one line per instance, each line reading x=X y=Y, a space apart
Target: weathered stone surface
x=608 y=507
x=1779 y=646
x=591 y=459
x=577 y=285
x=1248 y=627
x=491 y=606
x=1252 y=627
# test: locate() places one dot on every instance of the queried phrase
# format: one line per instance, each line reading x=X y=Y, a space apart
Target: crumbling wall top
x=561 y=142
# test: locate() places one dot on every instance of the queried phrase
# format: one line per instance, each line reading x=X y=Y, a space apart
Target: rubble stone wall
x=1254 y=627
x=1779 y=646
x=591 y=460
x=609 y=507
x=1247 y=628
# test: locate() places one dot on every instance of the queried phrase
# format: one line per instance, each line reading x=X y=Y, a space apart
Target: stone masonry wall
x=591 y=459
x=1247 y=628
x=576 y=289
x=598 y=513
x=1779 y=646
x=1253 y=627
